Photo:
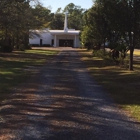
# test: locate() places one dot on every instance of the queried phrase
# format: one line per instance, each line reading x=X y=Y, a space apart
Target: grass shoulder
x=121 y=84
x=17 y=67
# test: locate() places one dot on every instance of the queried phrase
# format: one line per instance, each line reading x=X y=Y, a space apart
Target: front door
x=65 y=43
x=40 y=42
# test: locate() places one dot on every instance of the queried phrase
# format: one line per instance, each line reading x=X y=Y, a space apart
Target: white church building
x=56 y=38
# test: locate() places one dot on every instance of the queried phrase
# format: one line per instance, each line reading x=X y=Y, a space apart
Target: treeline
x=112 y=22
x=116 y=22
x=75 y=17
x=17 y=17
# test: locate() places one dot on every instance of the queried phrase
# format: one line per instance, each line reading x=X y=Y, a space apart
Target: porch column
x=55 y=39
x=75 y=42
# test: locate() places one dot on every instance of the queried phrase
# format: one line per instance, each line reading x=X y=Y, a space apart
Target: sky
x=55 y=4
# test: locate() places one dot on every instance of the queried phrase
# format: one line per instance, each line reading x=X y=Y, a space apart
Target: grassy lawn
x=121 y=84
x=137 y=52
x=17 y=67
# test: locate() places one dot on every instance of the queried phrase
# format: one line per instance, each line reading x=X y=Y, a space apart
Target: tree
x=75 y=16
x=57 y=21
x=133 y=27
x=59 y=10
x=96 y=24
x=117 y=22
x=41 y=17
x=17 y=17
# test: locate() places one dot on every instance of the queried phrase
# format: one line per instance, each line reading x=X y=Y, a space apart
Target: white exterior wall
x=34 y=41
x=46 y=39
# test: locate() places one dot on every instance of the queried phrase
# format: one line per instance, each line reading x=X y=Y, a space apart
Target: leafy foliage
x=116 y=22
x=16 y=18
x=75 y=14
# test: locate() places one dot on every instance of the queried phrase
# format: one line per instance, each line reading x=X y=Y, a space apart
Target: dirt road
x=63 y=102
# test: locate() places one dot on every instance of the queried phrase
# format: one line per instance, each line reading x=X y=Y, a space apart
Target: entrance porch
x=62 y=39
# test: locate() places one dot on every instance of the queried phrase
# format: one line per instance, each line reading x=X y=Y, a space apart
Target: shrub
x=28 y=47
x=46 y=45
x=100 y=53
x=6 y=48
x=34 y=45
x=21 y=47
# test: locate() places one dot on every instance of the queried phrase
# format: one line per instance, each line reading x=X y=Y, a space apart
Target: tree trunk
x=131 y=59
x=104 y=46
x=132 y=45
x=133 y=36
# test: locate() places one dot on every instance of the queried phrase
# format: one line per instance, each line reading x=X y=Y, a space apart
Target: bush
x=6 y=48
x=100 y=53
x=21 y=47
x=28 y=47
x=46 y=45
x=34 y=45
x=1 y=48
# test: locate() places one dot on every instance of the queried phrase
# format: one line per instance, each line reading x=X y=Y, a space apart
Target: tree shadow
x=64 y=102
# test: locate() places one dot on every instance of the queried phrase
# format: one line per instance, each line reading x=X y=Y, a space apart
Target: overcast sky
x=55 y=4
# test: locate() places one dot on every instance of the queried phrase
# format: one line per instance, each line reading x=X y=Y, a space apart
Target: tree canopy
x=17 y=17
x=75 y=14
x=116 y=22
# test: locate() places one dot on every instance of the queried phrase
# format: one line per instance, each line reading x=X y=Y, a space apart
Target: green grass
x=43 y=52
x=120 y=83
x=137 y=52
x=17 y=67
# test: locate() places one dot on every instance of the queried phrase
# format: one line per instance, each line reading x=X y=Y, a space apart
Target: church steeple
x=66 y=22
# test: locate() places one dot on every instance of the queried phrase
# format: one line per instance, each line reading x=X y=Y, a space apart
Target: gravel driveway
x=63 y=102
